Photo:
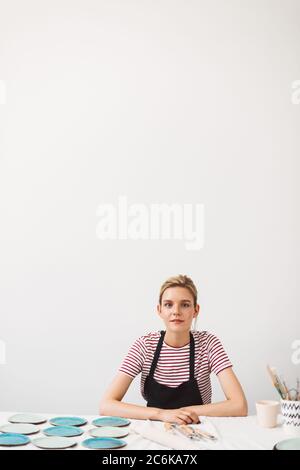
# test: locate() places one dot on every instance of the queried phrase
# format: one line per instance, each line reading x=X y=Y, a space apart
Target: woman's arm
x=235 y=403
x=111 y=405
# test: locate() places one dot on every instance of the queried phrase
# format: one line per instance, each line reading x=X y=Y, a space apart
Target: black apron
x=161 y=396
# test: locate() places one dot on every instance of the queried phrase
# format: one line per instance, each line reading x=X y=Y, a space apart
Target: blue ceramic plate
x=64 y=431
x=68 y=421
x=288 y=444
x=13 y=439
x=110 y=421
x=103 y=443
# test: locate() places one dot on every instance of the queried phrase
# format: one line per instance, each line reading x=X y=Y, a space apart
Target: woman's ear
x=197 y=310
x=158 y=309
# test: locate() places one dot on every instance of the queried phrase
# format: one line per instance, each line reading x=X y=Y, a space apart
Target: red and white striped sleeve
x=133 y=362
x=217 y=357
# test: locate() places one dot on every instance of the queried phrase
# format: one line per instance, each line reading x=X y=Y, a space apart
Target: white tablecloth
x=234 y=433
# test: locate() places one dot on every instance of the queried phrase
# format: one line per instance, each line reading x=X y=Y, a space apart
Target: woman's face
x=177 y=309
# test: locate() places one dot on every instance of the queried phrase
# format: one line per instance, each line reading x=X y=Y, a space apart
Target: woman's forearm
x=126 y=410
x=222 y=408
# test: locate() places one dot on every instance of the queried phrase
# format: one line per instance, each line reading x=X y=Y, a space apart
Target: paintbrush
x=182 y=429
x=287 y=392
x=276 y=382
x=279 y=383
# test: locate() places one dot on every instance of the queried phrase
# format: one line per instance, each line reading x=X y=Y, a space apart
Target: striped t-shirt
x=173 y=364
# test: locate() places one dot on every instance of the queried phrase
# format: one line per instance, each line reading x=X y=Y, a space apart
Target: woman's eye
x=186 y=305
x=167 y=304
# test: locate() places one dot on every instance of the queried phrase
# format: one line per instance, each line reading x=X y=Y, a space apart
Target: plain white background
x=164 y=102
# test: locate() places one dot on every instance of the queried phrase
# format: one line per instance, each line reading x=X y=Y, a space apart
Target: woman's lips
x=176 y=321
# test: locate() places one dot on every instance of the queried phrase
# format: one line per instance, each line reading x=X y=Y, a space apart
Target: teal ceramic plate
x=19 y=428
x=103 y=443
x=288 y=444
x=109 y=431
x=13 y=439
x=27 y=418
x=68 y=421
x=110 y=421
x=54 y=442
x=64 y=431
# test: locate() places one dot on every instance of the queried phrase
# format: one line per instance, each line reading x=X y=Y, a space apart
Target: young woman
x=176 y=366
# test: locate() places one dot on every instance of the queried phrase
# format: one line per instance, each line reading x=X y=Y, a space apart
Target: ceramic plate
x=64 y=431
x=20 y=428
x=54 y=442
x=68 y=421
x=107 y=431
x=288 y=444
x=103 y=443
x=13 y=439
x=110 y=421
x=27 y=418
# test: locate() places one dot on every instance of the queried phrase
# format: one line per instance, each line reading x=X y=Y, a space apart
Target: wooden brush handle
x=168 y=426
x=204 y=434
x=186 y=430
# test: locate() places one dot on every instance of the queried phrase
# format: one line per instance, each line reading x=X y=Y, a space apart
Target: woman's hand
x=178 y=416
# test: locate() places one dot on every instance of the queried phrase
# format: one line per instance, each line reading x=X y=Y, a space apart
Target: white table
x=235 y=433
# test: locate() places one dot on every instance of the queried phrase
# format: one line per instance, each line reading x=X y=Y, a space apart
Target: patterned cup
x=291 y=413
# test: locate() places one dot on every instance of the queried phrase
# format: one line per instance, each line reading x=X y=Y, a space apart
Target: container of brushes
x=291 y=414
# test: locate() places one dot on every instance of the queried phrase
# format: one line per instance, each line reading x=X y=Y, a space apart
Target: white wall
x=161 y=101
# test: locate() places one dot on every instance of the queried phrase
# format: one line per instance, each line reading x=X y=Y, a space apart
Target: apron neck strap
x=157 y=352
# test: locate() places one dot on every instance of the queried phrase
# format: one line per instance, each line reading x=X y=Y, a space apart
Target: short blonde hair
x=179 y=281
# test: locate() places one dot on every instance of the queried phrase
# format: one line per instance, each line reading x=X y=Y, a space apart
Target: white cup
x=267 y=412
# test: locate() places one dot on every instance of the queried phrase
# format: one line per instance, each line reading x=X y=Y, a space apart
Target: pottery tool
x=181 y=429
x=287 y=393
x=281 y=387
x=205 y=435
x=197 y=433
x=169 y=427
x=275 y=381
x=279 y=383
x=189 y=432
